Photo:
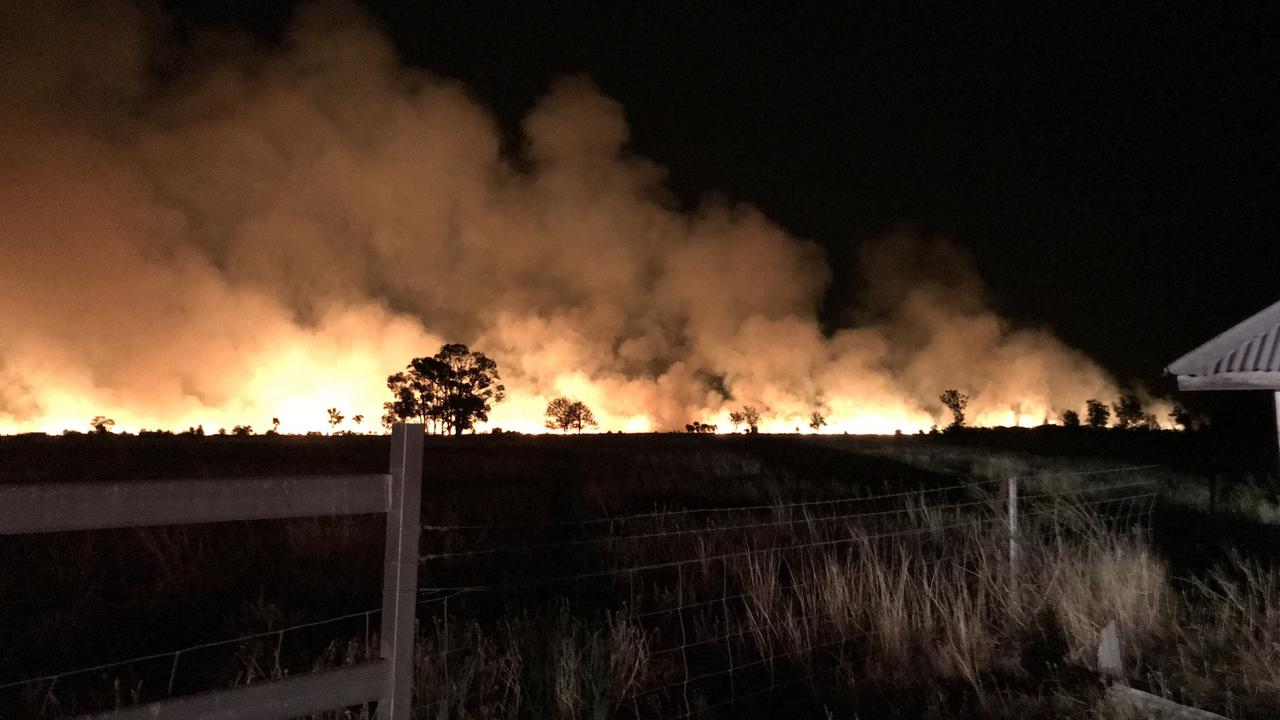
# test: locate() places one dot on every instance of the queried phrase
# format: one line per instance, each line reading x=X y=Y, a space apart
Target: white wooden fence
x=65 y=506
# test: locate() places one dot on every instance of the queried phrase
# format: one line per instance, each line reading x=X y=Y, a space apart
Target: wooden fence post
x=1014 y=550
x=400 y=570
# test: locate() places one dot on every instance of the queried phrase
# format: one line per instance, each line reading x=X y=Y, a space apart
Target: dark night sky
x=1114 y=174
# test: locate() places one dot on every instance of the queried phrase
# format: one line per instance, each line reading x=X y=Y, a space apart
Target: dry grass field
x=670 y=576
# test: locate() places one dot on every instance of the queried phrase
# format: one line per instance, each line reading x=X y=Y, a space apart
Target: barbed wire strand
x=793 y=586
x=717 y=509
x=182 y=651
x=497 y=587
x=690 y=531
x=706 y=559
x=762 y=661
x=366 y=614
x=745 y=508
x=807 y=520
x=776 y=625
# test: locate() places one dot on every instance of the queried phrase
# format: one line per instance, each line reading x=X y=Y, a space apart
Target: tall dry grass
x=912 y=612
x=922 y=602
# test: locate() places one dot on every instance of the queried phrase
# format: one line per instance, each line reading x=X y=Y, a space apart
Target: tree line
x=1129 y=412
x=455 y=389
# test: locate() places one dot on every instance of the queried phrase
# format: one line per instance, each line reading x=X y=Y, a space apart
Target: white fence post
x=1014 y=550
x=27 y=508
x=400 y=564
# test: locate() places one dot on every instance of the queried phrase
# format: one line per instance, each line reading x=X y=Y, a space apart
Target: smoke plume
x=270 y=231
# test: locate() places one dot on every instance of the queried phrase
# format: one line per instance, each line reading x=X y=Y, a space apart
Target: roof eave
x=1231 y=381
x=1200 y=361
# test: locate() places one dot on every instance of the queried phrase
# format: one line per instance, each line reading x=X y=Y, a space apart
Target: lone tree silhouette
x=335 y=418
x=448 y=392
x=736 y=419
x=1096 y=413
x=956 y=402
x=751 y=417
x=1183 y=417
x=817 y=420
x=1129 y=413
x=102 y=424
x=1071 y=419
x=565 y=414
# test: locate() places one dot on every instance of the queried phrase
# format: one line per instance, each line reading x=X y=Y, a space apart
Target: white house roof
x=1246 y=357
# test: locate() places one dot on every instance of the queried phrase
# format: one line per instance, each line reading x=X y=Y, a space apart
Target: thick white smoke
x=271 y=231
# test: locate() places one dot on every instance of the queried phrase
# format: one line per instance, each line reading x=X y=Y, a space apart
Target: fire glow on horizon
x=519 y=413
x=276 y=230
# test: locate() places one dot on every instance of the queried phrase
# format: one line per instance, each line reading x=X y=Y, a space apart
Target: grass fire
x=370 y=360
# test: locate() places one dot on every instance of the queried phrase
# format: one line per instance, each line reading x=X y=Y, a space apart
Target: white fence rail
x=27 y=508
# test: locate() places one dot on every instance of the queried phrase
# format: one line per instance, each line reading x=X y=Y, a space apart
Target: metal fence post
x=400 y=570
x=1277 y=402
x=1014 y=550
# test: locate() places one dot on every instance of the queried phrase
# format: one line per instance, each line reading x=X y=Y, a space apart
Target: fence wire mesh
x=693 y=612
x=681 y=613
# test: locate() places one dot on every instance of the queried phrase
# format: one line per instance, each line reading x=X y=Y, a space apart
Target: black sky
x=1114 y=174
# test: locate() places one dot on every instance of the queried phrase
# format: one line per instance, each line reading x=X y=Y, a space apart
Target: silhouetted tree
x=102 y=424
x=275 y=424
x=751 y=417
x=1096 y=413
x=449 y=392
x=242 y=430
x=472 y=385
x=956 y=402
x=737 y=419
x=1183 y=417
x=1071 y=419
x=357 y=419
x=389 y=416
x=418 y=395
x=565 y=414
x=335 y=418
x=817 y=420
x=1129 y=412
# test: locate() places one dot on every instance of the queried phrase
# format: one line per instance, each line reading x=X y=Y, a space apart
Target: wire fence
x=709 y=608
x=174 y=656
x=162 y=672
x=685 y=612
